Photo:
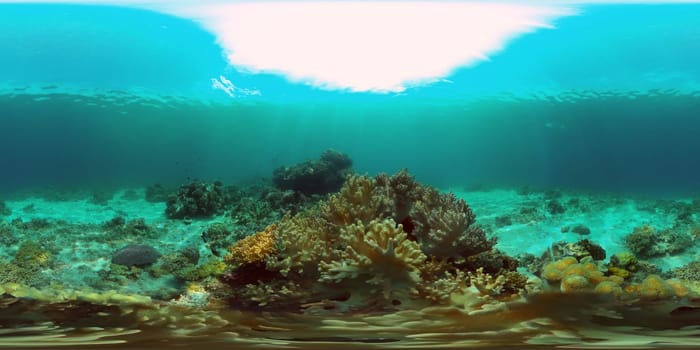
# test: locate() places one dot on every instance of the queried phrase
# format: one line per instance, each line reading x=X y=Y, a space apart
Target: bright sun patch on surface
x=367 y=46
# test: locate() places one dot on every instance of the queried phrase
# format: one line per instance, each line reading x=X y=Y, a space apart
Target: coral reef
x=118 y=228
x=196 y=200
x=29 y=261
x=157 y=193
x=378 y=255
x=249 y=211
x=217 y=237
x=101 y=197
x=321 y=176
x=647 y=242
x=4 y=209
x=554 y=207
x=379 y=243
x=442 y=224
x=581 y=250
x=8 y=234
x=688 y=272
x=585 y=248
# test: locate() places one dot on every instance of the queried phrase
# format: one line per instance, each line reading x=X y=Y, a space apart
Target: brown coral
x=378 y=254
x=445 y=227
x=359 y=199
x=302 y=241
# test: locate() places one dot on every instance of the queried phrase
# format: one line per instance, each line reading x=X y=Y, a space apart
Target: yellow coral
x=609 y=287
x=485 y=283
x=655 y=288
x=552 y=272
x=575 y=270
x=619 y=272
x=616 y=279
x=626 y=258
x=573 y=276
x=440 y=290
x=679 y=289
x=574 y=283
x=255 y=248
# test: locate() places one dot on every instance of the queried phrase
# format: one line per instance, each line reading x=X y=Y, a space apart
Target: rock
x=139 y=255
x=581 y=230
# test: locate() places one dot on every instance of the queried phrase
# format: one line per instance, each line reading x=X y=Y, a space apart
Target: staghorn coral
x=440 y=290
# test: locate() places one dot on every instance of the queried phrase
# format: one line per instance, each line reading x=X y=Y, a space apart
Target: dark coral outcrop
x=197 y=199
x=321 y=176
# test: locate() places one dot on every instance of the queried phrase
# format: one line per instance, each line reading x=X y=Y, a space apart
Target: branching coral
x=442 y=224
x=647 y=242
x=379 y=255
x=445 y=227
x=302 y=241
x=360 y=199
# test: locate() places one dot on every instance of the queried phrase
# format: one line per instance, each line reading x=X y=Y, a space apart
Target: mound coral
x=383 y=242
x=570 y=276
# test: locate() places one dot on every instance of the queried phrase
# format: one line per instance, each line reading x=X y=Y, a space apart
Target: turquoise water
x=598 y=113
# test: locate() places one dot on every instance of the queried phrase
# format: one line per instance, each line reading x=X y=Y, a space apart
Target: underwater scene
x=349 y=174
